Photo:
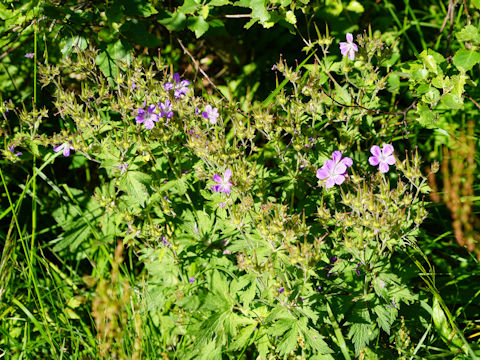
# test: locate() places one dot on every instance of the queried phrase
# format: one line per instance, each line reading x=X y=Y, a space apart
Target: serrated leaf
x=289 y=341
x=469 y=33
x=189 y=6
x=259 y=11
x=361 y=327
x=109 y=59
x=279 y=327
x=172 y=21
x=198 y=25
x=248 y=295
x=243 y=337
x=76 y=41
x=134 y=184
x=452 y=101
x=385 y=317
x=466 y=59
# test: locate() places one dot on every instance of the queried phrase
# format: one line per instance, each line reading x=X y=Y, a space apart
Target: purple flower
x=12 y=150
x=211 y=114
x=333 y=259
x=222 y=205
x=393 y=303
x=30 y=55
x=334 y=170
x=382 y=157
x=180 y=87
x=167 y=243
x=224 y=185
x=191 y=280
x=65 y=147
x=166 y=110
x=349 y=48
x=148 y=118
x=281 y=290
x=123 y=167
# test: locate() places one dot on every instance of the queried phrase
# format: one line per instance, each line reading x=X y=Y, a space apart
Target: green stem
x=338 y=333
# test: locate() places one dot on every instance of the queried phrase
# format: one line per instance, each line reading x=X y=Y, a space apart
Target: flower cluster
x=334 y=170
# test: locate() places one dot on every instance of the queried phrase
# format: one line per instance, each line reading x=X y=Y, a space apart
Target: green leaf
x=385 y=317
x=198 y=25
x=242 y=339
x=355 y=6
x=137 y=31
x=172 y=21
x=76 y=41
x=469 y=33
x=139 y=8
x=134 y=184
x=466 y=59
x=452 y=101
x=289 y=341
x=109 y=60
x=189 y=6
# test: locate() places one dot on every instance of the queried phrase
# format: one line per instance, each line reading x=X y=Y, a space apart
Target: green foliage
x=137 y=255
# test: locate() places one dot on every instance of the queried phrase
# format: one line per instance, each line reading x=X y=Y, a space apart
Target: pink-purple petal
x=339 y=179
x=217 y=178
x=349 y=37
x=347 y=161
x=383 y=167
x=375 y=150
x=336 y=156
x=387 y=149
x=227 y=174
x=390 y=160
x=329 y=183
x=322 y=174
x=340 y=169
x=373 y=160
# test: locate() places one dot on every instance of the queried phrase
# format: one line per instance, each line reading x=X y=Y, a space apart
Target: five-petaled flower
x=349 y=48
x=166 y=109
x=211 y=114
x=147 y=117
x=12 y=150
x=223 y=184
x=65 y=148
x=334 y=170
x=180 y=87
x=382 y=157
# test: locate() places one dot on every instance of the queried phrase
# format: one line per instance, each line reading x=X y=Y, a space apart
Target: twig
x=197 y=66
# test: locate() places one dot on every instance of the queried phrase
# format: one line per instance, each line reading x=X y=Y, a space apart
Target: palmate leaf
x=289 y=341
x=134 y=184
x=244 y=337
x=361 y=329
x=313 y=338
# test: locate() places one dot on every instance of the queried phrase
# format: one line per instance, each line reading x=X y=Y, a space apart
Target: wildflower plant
x=254 y=238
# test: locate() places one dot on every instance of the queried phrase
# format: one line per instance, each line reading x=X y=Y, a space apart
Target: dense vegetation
x=245 y=179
